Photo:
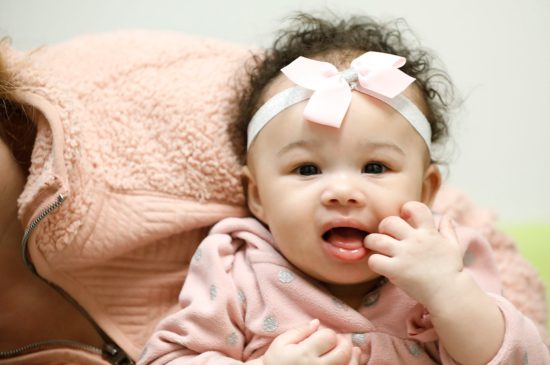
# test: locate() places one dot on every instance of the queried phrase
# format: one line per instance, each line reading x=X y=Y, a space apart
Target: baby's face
x=321 y=189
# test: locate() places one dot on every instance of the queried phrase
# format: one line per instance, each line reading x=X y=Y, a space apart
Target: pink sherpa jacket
x=132 y=133
x=241 y=293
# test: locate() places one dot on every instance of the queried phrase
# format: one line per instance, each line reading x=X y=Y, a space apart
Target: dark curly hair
x=339 y=41
x=17 y=130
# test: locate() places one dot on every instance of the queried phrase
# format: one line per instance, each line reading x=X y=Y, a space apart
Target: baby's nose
x=343 y=193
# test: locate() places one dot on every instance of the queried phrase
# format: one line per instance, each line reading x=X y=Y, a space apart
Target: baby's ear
x=431 y=184
x=252 y=193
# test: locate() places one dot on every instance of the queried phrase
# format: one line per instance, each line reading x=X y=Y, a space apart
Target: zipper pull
x=115 y=355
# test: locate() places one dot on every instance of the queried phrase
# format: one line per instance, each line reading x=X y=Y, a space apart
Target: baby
x=343 y=263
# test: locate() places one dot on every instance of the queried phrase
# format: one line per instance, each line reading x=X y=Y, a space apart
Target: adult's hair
x=339 y=41
x=17 y=130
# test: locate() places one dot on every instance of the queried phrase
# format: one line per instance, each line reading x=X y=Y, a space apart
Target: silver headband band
x=297 y=94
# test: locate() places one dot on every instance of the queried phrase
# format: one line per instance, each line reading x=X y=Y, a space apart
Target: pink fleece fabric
x=132 y=132
x=241 y=293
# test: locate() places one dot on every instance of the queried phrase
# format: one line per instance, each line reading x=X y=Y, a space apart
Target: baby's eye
x=374 y=168
x=307 y=170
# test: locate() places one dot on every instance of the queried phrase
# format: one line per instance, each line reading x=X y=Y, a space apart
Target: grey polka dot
x=358 y=339
x=339 y=304
x=371 y=298
x=198 y=254
x=213 y=292
x=525 y=359
x=270 y=324
x=143 y=353
x=242 y=297
x=285 y=276
x=414 y=348
x=469 y=258
x=232 y=339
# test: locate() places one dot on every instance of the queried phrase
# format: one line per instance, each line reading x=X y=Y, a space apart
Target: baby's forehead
x=275 y=86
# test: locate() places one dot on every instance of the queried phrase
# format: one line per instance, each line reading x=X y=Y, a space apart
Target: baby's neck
x=353 y=294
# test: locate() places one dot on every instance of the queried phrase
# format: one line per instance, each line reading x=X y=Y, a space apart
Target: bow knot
x=372 y=73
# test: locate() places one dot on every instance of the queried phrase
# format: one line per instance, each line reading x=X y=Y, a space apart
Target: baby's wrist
x=452 y=296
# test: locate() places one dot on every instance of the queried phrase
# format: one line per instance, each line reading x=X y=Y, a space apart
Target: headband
x=329 y=92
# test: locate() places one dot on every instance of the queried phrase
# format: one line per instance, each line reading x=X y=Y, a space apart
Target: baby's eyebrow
x=366 y=145
x=298 y=144
x=382 y=146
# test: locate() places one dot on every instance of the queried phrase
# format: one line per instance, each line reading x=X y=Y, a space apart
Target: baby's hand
x=414 y=255
x=309 y=345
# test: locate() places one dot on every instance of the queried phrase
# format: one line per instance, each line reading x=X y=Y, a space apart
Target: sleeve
x=522 y=343
x=208 y=328
x=522 y=285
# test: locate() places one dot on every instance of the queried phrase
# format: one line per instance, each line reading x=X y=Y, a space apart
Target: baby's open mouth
x=345 y=237
x=345 y=243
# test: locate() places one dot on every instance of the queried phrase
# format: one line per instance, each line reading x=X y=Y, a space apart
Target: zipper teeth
x=52 y=342
x=113 y=351
x=43 y=214
x=48 y=344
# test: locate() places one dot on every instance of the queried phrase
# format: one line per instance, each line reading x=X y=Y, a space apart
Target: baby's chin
x=364 y=278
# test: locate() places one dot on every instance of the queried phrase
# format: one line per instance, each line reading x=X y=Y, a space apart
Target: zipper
x=26 y=235
x=110 y=351
x=42 y=345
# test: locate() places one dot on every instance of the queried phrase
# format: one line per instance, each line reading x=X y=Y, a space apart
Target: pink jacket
x=240 y=293
x=130 y=168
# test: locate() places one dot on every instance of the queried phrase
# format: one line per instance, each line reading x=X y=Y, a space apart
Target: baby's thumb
x=298 y=334
x=447 y=228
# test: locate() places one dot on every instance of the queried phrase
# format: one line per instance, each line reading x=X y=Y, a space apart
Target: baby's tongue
x=348 y=238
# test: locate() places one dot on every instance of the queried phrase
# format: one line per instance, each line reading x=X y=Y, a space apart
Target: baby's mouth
x=347 y=238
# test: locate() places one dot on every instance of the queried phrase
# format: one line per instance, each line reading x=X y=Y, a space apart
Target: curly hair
x=339 y=41
x=17 y=130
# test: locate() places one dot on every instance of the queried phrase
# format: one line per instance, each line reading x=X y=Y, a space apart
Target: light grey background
x=497 y=52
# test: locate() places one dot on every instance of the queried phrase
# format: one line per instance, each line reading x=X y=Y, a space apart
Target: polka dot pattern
x=198 y=255
x=270 y=324
x=285 y=276
x=213 y=292
x=358 y=339
x=232 y=339
x=414 y=348
x=242 y=296
x=371 y=298
x=339 y=303
x=469 y=258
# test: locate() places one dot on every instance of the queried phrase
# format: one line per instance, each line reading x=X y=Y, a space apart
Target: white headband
x=329 y=92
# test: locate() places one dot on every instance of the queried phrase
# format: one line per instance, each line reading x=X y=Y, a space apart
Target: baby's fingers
x=320 y=342
x=297 y=334
x=381 y=243
x=382 y=265
x=418 y=215
x=342 y=354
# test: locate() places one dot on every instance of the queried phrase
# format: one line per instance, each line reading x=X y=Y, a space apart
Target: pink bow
x=376 y=73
